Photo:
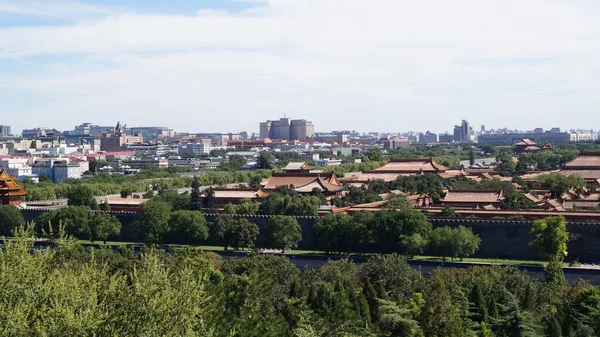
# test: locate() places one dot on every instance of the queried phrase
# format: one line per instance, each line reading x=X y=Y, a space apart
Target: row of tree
x=406 y=232
x=105 y=184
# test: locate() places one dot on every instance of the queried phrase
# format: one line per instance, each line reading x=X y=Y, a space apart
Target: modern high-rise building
x=280 y=129
x=287 y=129
x=301 y=129
x=462 y=132
x=5 y=130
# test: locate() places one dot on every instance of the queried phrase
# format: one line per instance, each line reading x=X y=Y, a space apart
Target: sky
x=226 y=65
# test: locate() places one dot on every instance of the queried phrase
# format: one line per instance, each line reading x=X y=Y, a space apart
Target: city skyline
x=406 y=66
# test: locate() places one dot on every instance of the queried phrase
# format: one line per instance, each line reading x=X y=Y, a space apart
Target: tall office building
x=462 y=132
x=301 y=129
x=5 y=130
x=287 y=129
x=265 y=129
x=280 y=129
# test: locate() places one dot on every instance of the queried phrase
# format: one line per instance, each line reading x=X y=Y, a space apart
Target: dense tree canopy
x=284 y=232
x=10 y=218
x=288 y=202
x=152 y=225
x=459 y=242
x=187 y=227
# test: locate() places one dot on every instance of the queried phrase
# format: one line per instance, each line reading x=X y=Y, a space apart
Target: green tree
x=284 y=232
x=265 y=160
x=80 y=195
x=458 y=242
x=515 y=321
x=126 y=191
x=404 y=231
x=74 y=220
x=477 y=309
x=551 y=237
x=209 y=201
x=467 y=242
x=441 y=242
x=94 y=205
x=235 y=163
x=102 y=226
x=241 y=234
x=471 y=157
x=187 y=227
x=553 y=328
x=195 y=195
x=152 y=224
x=219 y=227
x=396 y=201
x=10 y=218
x=397 y=321
x=105 y=206
x=175 y=199
x=448 y=212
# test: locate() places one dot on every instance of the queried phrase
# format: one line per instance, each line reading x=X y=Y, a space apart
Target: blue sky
x=382 y=65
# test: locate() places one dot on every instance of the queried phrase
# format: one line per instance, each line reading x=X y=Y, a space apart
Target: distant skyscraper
x=465 y=131
x=462 y=132
x=5 y=130
x=482 y=127
x=301 y=129
x=457 y=133
x=287 y=129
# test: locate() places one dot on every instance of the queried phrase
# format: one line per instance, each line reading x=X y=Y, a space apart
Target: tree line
x=161 y=180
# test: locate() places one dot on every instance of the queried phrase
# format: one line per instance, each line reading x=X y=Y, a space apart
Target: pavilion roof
x=9 y=185
x=320 y=184
x=296 y=166
x=322 y=180
x=525 y=142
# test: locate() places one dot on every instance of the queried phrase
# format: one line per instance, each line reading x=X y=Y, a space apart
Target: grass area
x=109 y=243
x=315 y=252
x=478 y=260
x=489 y=261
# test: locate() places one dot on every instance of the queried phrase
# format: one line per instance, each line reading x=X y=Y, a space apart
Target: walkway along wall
x=500 y=238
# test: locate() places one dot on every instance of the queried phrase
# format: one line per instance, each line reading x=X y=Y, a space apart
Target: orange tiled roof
x=525 y=142
x=328 y=180
x=8 y=185
x=242 y=193
x=587 y=160
x=452 y=174
x=486 y=196
x=125 y=201
x=581 y=203
x=412 y=165
x=531 y=197
x=321 y=185
x=585 y=174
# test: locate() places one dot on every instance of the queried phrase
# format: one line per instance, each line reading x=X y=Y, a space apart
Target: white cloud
x=58 y=9
x=376 y=65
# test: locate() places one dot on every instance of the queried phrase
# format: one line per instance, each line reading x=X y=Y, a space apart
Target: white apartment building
x=59 y=170
x=16 y=167
x=583 y=136
x=327 y=162
x=194 y=148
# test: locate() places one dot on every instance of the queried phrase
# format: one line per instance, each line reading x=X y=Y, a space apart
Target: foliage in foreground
x=67 y=291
